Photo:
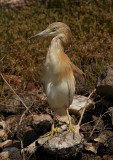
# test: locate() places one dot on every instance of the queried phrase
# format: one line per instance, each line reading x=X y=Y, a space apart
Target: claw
x=51 y=133
x=70 y=127
x=53 y=130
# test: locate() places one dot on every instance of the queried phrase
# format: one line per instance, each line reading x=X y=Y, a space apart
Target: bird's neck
x=55 y=50
x=54 y=55
x=56 y=46
x=62 y=39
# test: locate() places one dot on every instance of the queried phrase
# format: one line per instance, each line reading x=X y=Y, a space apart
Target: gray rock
x=105 y=139
x=3 y=128
x=9 y=153
x=104 y=84
x=41 y=118
x=60 y=145
x=42 y=123
x=14 y=105
x=79 y=102
x=10 y=143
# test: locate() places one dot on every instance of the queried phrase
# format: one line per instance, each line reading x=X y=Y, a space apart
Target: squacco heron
x=58 y=74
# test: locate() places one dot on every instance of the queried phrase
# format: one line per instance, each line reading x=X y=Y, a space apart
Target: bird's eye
x=54 y=29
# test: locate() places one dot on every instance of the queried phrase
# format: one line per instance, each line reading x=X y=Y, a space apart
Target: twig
x=14 y=92
x=22 y=119
x=93 y=120
x=2 y=58
x=78 y=125
x=18 y=131
x=85 y=106
x=95 y=126
x=98 y=122
x=88 y=122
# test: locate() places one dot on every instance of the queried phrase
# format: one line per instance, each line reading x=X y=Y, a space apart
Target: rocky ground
x=21 y=128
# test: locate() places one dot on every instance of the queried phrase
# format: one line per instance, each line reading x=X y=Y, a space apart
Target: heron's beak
x=43 y=33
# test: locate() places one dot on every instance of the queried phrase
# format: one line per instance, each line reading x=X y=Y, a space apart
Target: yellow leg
x=53 y=129
x=70 y=127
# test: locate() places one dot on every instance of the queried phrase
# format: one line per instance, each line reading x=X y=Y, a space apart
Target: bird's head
x=54 y=29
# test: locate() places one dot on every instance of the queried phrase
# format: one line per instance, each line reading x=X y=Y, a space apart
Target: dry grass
x=91 y=23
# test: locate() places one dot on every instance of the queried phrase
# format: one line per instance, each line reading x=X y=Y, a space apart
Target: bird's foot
x=51 y=133
x=70 y=129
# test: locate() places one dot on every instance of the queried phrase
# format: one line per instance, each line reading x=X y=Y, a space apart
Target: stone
x=10 y=143
x=14 y=105
x=8 y=152
x=60 y=145
x=30 y=148
x=79 y=102
x=11 y=105
x=91 y=147
x=3 y=125
x=42 y=123
x=3 y=132
x=3 y=135
x=12 y=125
x=105 y=140
x=40 y=118
x=29 y=136
x=104 y=84
x=2 y=144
